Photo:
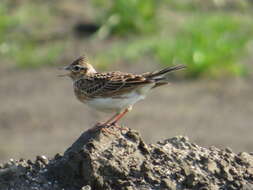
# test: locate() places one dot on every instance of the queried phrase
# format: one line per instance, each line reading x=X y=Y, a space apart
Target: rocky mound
x=121 y=160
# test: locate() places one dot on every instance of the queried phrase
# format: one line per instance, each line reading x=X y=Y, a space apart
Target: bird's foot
x=108 y=131
x=115 y=125
x=101 y=125
x=104 y=128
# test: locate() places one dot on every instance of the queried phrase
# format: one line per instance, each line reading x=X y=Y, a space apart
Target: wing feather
x=110 y=84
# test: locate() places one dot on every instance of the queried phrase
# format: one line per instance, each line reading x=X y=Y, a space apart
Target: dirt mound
x=122 y=160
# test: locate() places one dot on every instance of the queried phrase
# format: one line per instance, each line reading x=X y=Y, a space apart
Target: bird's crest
x=83 y=61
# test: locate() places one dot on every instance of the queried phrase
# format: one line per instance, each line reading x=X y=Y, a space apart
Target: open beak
x=66 y=68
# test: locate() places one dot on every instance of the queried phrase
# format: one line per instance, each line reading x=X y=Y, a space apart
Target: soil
x=122 y=160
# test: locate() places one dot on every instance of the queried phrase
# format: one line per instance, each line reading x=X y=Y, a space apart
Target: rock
x=122 y=160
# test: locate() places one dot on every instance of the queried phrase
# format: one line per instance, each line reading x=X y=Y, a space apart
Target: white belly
x=115 y=104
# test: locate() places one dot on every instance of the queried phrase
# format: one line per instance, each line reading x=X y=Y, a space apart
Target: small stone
x=168 y=184
x=21 y=160
x=133 y=135
x=158 y=151
x=57 y=156
x=29 y=162
x=189 y=180
x=151 y=178
x=250 y=171
x=86 y=187
x=128 y=188
x=228 y=150
x=203 y=188
x=12 y=160
x=212 y=167
x=43 y=159
x=223 y=163
x=246 y=158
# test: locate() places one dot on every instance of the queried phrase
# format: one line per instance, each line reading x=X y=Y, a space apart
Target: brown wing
x=110 y=84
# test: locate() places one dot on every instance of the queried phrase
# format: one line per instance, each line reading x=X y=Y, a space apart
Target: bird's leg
x=103 y=126
x=119 y=116
x=110 y=120
x=114 y=119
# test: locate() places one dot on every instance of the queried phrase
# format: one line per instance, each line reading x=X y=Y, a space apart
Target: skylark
x=113 y=91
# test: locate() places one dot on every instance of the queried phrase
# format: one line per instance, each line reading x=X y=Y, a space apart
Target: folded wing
x=111 y=84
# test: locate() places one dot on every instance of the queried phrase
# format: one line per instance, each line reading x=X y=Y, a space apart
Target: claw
x=106 y=131
x=115 y=125
x=104 y=128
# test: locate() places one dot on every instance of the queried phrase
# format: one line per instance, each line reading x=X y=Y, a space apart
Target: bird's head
x=79 y=68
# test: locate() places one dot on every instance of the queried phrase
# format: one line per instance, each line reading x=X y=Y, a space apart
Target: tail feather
x=160 y=77
x=166 y=70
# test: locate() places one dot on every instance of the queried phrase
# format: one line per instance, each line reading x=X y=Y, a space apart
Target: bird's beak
x=66 y=68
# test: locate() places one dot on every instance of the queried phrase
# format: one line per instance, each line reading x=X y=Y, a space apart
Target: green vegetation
x=210 y=37
x=122 y=17
x=210 y=43
x=22 y=35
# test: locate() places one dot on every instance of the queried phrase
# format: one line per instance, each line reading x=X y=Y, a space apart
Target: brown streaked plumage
x=113 y=91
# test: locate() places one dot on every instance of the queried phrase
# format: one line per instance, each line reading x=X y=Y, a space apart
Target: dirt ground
x=40 y=115
x=122 y=160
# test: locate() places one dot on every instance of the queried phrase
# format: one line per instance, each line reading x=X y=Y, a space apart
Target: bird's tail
x=160 y=76
x=165 y=71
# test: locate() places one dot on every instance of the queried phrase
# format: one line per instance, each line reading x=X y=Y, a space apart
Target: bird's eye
x=76 y=68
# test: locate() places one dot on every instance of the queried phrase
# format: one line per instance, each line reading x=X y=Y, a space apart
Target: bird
x=114 y=92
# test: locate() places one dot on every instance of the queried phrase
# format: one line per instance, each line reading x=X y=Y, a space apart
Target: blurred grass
x=23 y=37
x=211 y=43
x=122 y=17
x=211 y=37
x=210 y=5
